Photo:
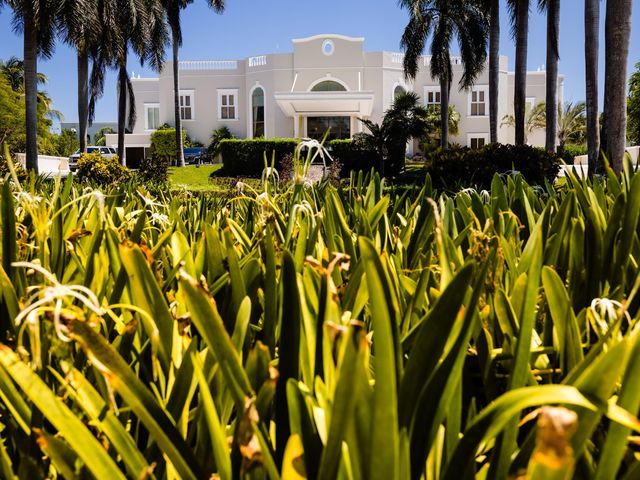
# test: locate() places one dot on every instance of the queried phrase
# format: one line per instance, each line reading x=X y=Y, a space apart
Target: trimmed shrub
x=571 y=151
x=153 y=169
x=354 y=155
x=456 y=167
x=246 y=157
x=94 y=167
x=163 y=143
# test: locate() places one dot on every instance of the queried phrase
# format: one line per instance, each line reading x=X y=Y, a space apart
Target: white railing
x=208 y=65
x=258 y=61
x=426 y=61
x=397 y=58
x=47 y=164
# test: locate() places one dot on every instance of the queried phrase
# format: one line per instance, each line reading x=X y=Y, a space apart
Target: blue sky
x=252 y=27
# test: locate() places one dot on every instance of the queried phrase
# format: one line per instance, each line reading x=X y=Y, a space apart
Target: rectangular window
x=187 y=105
x=228 y=104
x=478 y=98
x=431 y=96
x=152 y=116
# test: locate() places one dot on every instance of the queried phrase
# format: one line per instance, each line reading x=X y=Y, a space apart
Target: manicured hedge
x=462 y=167
x=354 y=156
x=572 y=151
x=246 y=157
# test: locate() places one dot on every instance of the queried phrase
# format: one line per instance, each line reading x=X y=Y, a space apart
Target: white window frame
x=228 y=91
x=192 y=104
x=147 y=107
x=484 y=136
x=478 y=88
x=431 y=89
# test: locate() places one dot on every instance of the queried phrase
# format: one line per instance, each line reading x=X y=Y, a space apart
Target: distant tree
x=217 y=136
x=534 y=119
x=433 y=133
x=571 y=124
x=633 y=107
x=100 y=138
x=441 y=21
x=11 y=113
x=66 y=143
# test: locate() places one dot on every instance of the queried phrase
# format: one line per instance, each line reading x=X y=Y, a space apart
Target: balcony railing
x=257 y=61
x=397 y=58
x=208 y=65
x=426 y=61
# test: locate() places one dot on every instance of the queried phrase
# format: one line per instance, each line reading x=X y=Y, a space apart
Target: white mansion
x=327 y=81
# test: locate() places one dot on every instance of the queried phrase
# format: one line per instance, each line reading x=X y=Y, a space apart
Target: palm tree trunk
x=520 y=90
x=553 y=55
x=122 y=107
x=444 y=112
x=494 y=69
x=617 y=35
x=176 y=102
x=83 y=97
x=591 y=28
x=31 y=86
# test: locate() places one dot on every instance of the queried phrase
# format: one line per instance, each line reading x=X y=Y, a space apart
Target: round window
x=328 y=47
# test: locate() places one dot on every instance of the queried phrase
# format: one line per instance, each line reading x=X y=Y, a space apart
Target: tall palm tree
x=617 y=34
x=519 y=12
x=83 y=35
x=552 y=7
x=172 y=9
x=445 y=20
x=36 y=20
x=591 y=46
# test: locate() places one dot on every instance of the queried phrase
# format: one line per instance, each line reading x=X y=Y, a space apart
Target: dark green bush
x=457 y=167
x=154 y=169
x=21 y=173
x=163 y=143
x=246 y=157
x=354 y=155
x=94 y=167
x=572 y=151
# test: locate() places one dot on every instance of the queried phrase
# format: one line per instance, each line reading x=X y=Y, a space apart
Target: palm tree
x=83 y=35
x=36 y=20
x=444 y=20
x=591 y=46
x=535 y=119
x=617 y=35
x=552 y=8
x=571 y=124
x=494 y=68
x=172 y=9
x=407 y=118
x=519 y=10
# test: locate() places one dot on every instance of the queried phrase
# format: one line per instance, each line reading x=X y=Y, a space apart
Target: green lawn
x=194 y=178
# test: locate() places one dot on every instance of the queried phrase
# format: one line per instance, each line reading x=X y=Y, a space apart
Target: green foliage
x=431 y=139
x=12 y=121
x=534 y=119
x=93 y=167
x=633 y=107
x=66 y=143
x=153 y=169
x=219 y=134
x=464 y=167
x=571 y=151
x=358 y=331
x=246 y=157
x=355 y=154
x=163 y=143
x=100 y=138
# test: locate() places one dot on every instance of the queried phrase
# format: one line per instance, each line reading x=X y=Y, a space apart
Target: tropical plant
x=617 y=37
x=406 y=119
x=11 y=113
x=552 y=8
x=633 y=107
x=442 y=21
x=66 y=142
x=519 y=15
x=219 y=134
x=571 y=124
x=362 y=331
x=100 y=138
x=535 y=119
x=494 y=67
x=431 y=139
x=93 y=167
x=591 y=49
x=172 y=10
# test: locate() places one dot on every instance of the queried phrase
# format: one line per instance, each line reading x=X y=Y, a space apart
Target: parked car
x=106 y=152
x=195 y=155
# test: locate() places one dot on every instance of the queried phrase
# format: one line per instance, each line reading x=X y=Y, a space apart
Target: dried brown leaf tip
x=553 y=456
x=248 y=442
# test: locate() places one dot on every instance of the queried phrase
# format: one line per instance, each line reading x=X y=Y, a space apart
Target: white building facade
x=327 y=81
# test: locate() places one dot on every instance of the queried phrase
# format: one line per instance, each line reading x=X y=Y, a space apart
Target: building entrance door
x=340 y=127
